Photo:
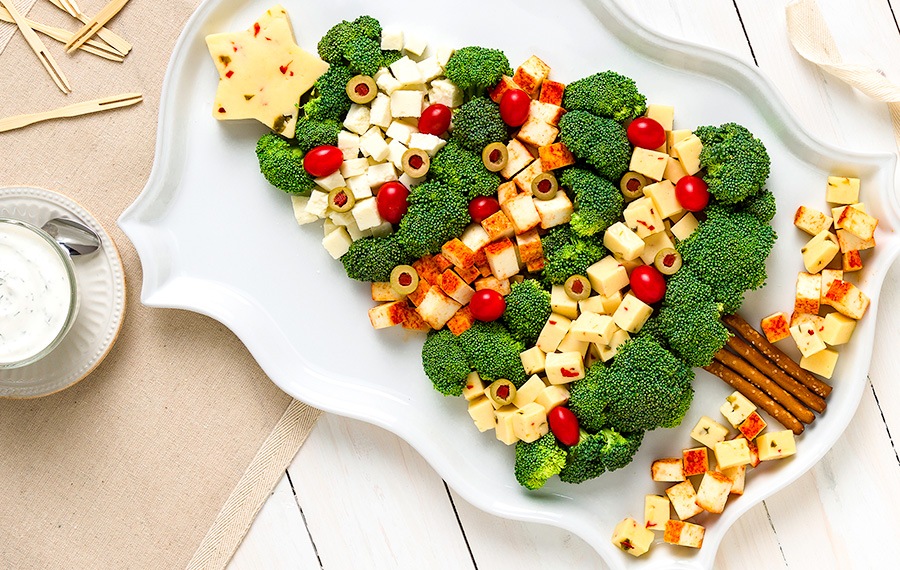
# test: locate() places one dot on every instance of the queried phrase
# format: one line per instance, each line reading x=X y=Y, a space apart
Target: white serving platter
x=215 y=238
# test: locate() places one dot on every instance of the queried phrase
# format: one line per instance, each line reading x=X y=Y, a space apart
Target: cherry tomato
x=487 y=305
x=564 y=425
x=435 y=119
x=648 y=284
x=482 y=207
x=692 y=193
x=514 y=107
x=646 y=133
x=391 y=201
x=323 y=160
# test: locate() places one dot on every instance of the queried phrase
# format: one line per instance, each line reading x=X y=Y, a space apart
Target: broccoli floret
x=281 y=162
x=310 y=133
x=586 y=401
x=363 y=55
x=728 y=252
x=761 y=206
x=568 y=254
x=336 y=42
x=463 y=171
x=600 y=142
x=527 y=309
x=476 y=69
x=373 y=258
x=538 y=461
x=598 y=203
x=689 y=319
x=493 y=352
x=736 y=162
x=389 y=57
x=477 y=123
x=329 y=99
x=436 y=215
x=606 y=94
x=445 y=362
x=597 y=453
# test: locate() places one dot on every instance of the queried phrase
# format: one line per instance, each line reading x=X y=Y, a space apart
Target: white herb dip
x=35 y=293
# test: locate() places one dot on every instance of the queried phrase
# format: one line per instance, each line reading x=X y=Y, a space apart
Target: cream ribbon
x=811 y=38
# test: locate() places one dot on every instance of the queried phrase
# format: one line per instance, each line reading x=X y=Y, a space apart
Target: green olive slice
x=341 y=199
x=494 y=156
x=544 y=186
x=361 y=89
x=415 y=162
x=404 y=279
x=632 y=185
x=502 y=392
x=578 y=287
x=668 y=261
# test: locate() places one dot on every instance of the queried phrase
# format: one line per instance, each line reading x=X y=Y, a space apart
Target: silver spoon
x=74 y=237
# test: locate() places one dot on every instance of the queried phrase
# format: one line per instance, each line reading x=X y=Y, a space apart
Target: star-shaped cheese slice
x=263 y=73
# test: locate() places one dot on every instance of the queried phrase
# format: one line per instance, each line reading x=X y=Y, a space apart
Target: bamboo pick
x=74 y=110
x=38 y=47
x=94 y=24
x=115 y=41
x=62 y=36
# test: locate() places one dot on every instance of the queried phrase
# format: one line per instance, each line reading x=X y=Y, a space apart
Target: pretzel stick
x=787 y=382
x=764 y=383
x=756 y=396
x=772 y=352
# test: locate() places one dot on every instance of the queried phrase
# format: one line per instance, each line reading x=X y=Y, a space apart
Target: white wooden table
x=359 y=497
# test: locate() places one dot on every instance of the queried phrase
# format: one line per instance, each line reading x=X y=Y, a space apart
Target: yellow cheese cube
x=685 y=227
x=819 y=251
x=676 y=136
x=561 y=303
x=688 y=152
x=631 y=537
x=837 y=329
x=776 y=445
x=604 y=352
x=601 y=304
x=807 y=338
x=662 y=114
x=821 y=363
x=607 y=276
x=530 y=422
x=654 y=244
x=663 y=196
x=564 y=367
x=674 y=171
x=570 y=343
x=528 y=391
x=841 y=190
x=552 y=396
x=482 y=412
x=709 y=432
x=620 y=240
x=642 y=218
x=504 y=428
x=632 y=313
x=684 y=534
x=656 y=512
x=736 y=408
x=591 y=327
x=474 y=387
x=811 y=220
x=648 y=162
x=533 y=360
x=732 y=452
x=684 y=500
x=713 y=492
x=553 y=332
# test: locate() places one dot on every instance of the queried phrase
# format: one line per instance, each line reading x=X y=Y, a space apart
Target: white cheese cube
x=349 y=144
x=329 y=226
x=474 y=237
x=386 y=82
x=424 y=141
x=518 y=158
x=357 y=119
x=429 y=69
x=409 y=181
x=406 y=72
x=343 y=219
x=502 y=258
x=317 y=204
x=533 y=360
x=556 y=211
x=382 y=230
x=298 y=204
x=561 y=303
x=714 y=491
x=337 y=243
x=530 y=422
x=391 y=39
x=737 y=408
x=406 y=103
x=354 y=167
x=437 y=308
x=620 y=240
x=650 y=163
x=380 y=112
x=444 y=92
x=443 y=55
x=807 y=338
x=414 y=44
x=365 y=212
x=553 y=332
x=378 y=174
x=359 y=186
x=355 y=232
x=709 y=432
x=632 y=313
x=821 y=363
x=330 y=182
x=687 y=151
x=482 y=413
x=591 y=327
x=669 y=470
x=396 y=150
x=400 y=131
x=809 y=294
x=372 y=144
x=522 y=212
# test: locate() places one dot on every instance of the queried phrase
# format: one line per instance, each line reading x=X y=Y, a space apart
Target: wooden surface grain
x=373 y=502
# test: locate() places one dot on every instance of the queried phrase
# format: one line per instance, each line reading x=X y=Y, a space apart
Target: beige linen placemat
x=163 y=456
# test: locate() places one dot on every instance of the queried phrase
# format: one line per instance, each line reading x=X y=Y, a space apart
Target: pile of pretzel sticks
x=768 y=377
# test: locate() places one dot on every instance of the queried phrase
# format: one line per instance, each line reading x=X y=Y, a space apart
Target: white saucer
x=101 y=285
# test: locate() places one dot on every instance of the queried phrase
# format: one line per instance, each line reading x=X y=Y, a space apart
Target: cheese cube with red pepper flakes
x=683 y=533
x=848 y=299
x=414 y=322
x=505 y=84
x=384 y=291
x=733 y=452
x=561 y=303
x=591 y=327
x=752 y=427
x=656 y=512
x=650 y=163
x=531 y=74
x=552 y=92
x=684 y=499
x=713 y=492
x=842 y=190
x=502 y=258
x=811 y=220
x=775 y=327
x=849 y=242
x=776 y=445
x=851 y=261
x=619 y=239
x=738 y=476
x=388 y=314
x=553 y=332
x=642 y=218
x=668 y=470
x=455 y=288
x=530 y=422
x=817 y=322
x=632 y=313
x=533 y=360
x=501 y=286
x=524 y=178
x=632 y=537
x=552 y=396
x=695 y=461
x=504 y=428
x=474 y=387
x=807 y=338
x=436 y=308
x=555 y=156
x=482 y=413
x=521 y=212
x=556 y=211
x=498 y=226
x=458 y=253
x=518 y=158
x=809 y=293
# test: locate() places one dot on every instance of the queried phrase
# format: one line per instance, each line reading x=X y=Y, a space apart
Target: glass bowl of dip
x=38 y=293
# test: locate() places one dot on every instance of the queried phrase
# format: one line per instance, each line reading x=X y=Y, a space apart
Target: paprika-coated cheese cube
x=528 y=392
x=535 y=265
x=561 y=303
x=414 y=322
x=809 y=293
x=687 y=151
x=436 y=308
x=388 y=314
x=775 y=327
x=737 y=408
x=521 y=213
x=821 y=363
x=819 y=251
x=504 y=429
x=564 y=367
x=838 y=210
x=384 y=291
x=552 y=92
x=502 y=258
x=807 y=338
x=631 y=537
x=474 y=387
x=695 y=461
x=713 y=492
x=458 y=253
x=662 y=114
x=545 y=112
x=669 y=470
x=684 y=534
x=848 y=299
x=752 y=427
x=555 y=156
x=468 y=274
x=650 y=163
x=536 y=132
x=533 y=360
x=842 y=190
x=482 y=413
x=851 y=261
x=632 y=313
x=811 y=220
x=530 y=422
x=837 y=329
x=684 y=500
x=455 y=288
x=501 y=286
x=553 y=332
x=518 y=157
x=857 y=222
x=776 y=445
x=607 y=276
x=656 y=512
x=849 y=242
x=732 y=452
x=619 y=239
x=441 y=262
x=530 y=247
x=507 y=191
x=556 y=211
x=497 y=226
x=505 y=84
x=829 y=276
x=417 y=296
x=531 y=74
x=524 y=178
x=709 y=432
x=552 y=396
x=738 y=476
x=427 y=269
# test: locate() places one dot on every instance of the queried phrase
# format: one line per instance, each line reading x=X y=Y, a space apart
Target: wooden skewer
x=61 y=35
x=38 y=47
x=115 y=41
x=93 y=25
x=83 y=108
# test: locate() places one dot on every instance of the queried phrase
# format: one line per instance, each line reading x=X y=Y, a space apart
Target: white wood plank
x=886 y=356
x=371 y=501
x=278 y=537
x=751 y=544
